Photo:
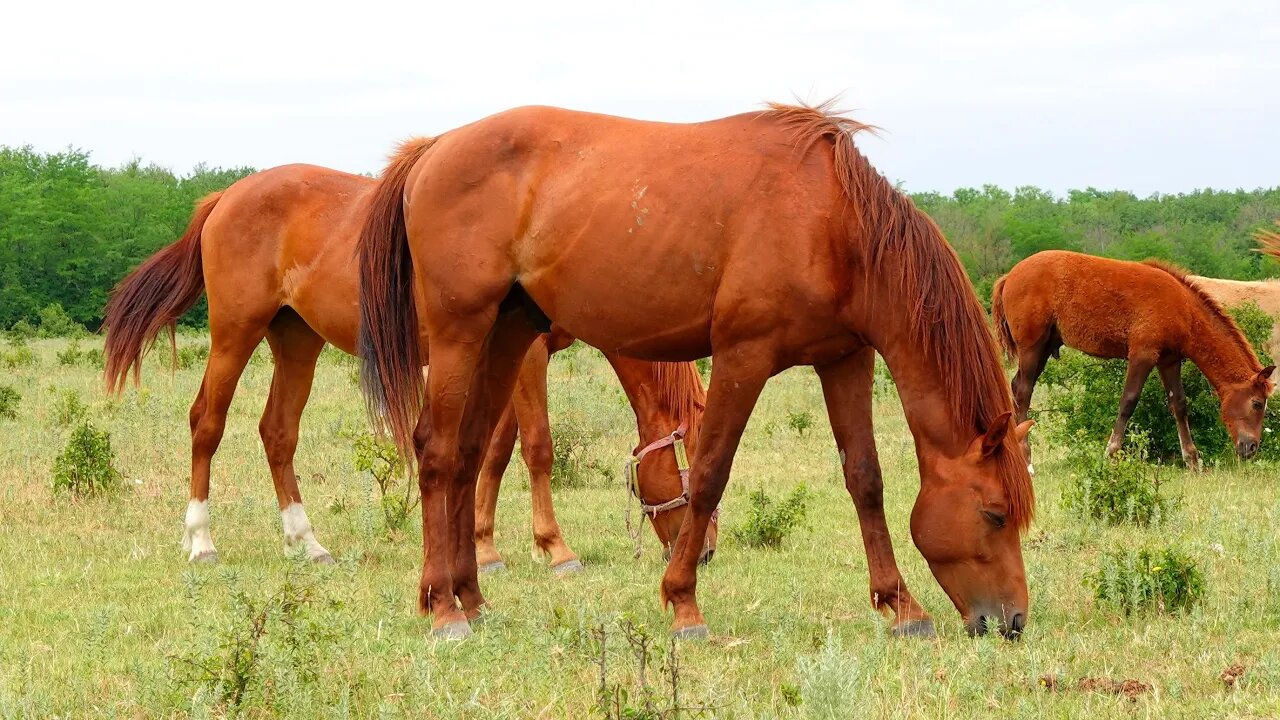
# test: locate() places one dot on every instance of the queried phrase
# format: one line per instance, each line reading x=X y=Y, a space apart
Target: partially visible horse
x=1150 y=314
x=766 y=240
x=275 y=254
x=1265 y=293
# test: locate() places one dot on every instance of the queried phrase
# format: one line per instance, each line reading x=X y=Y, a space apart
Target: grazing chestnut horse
x=275 y=253
x=1148 y=313
x=764 y=239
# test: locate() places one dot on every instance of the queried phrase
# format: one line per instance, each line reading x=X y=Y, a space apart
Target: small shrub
x=382 y=461
x=55 y=322
x=93 y=357
x=800 y=421
x=71 y=354
x=769 y=522
x=9 y=399
x=642 y=657
x=1124 y=489
x=191 y=355
x=86 y=465
x=20 y=333
x=571 y=464
x=1163 y=580
x=68 y=408
x=19 y=357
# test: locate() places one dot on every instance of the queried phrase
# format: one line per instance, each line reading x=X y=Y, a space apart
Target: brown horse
x=1152 y=315
x=765 y=239
x=275 y=253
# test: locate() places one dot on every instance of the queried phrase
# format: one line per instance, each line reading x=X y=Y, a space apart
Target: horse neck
x=929 y=415
x=1217 y=351
x=657 y=414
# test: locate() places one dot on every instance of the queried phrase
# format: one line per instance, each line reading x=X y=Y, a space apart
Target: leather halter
x=632 y=473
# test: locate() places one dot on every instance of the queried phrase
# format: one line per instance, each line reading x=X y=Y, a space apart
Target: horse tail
x=998 y=318
x=153 y=297
x=390 y=356
x=1268 y=241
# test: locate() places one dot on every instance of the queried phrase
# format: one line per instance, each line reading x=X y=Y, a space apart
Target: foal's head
x=967 y=526
x=1243 y=406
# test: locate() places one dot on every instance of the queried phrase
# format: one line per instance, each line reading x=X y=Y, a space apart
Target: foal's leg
x=496 y=459
x=739 y=375
x=1031 y=362
x=230 y=349
x=530 y=403
x=846 y=385
x=1171 y=376
x=1139 y=368
x=295 y=347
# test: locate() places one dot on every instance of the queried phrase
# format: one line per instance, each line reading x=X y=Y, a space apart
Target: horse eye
x=994 y=518
x=1257 y=404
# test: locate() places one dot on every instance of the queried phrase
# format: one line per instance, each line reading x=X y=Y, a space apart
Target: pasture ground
x=101 y=616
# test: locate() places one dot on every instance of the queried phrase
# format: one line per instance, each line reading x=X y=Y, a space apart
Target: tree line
x=70 y=229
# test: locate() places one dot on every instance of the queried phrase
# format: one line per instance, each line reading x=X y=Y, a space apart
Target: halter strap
x=631 y=473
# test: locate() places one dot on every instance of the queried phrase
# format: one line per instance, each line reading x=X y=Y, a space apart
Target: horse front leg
x=738 y=376
x=1136 y=376
x=846 y=387
x=1171 y=376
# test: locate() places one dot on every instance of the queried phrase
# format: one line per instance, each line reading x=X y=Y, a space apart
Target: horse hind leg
x=496 y=459
x=230 y=350
x=295 y=347
x=1031 y=362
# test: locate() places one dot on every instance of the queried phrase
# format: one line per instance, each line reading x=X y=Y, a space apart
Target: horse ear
x=1265 y=377
x=995 y=434
x=1020 y=432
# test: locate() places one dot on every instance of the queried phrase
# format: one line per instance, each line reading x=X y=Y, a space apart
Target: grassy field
x=101 y=616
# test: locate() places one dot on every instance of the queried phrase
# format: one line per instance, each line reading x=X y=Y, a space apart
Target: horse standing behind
x=1150 y=314
x=275 y=254
x=766 y=240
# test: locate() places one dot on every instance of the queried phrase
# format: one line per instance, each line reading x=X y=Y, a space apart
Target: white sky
x=1146 y=96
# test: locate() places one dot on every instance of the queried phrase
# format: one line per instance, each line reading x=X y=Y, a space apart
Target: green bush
x=768 y=521
x=55 y=322
x=191 y=355
x=1164 y=580
x=382 y=461
x=801 y=421
x=1125 y=489
x=571 y=463
x=71 y=354
x=9 y=399
x=86 y=465
x=68 y=408
x=1084 y=399
x=20 y=333
x=20 y=356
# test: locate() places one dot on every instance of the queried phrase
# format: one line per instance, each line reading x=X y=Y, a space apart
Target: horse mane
x=1213 y=307
x=943 y=312
x=679 y=386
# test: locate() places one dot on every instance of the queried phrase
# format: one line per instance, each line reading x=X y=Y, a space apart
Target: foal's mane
x=943 y=312
x=1211 y=306
x=680 y=388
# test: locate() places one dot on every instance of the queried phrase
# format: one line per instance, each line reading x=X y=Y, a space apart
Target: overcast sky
x=1147 y=96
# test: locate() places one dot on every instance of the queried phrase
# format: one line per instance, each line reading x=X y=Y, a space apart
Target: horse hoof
x=693 y=632
x=323 y=559
x=208 y=557
x=457 y=630
x=915 y=628
x=492 y=567
x=568 y=567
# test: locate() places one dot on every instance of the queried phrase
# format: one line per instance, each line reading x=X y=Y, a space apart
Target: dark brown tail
x=391 y=361
x=1003 y=333
x=152 y=298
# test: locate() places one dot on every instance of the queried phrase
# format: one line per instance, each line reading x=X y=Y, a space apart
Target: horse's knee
x=535 y=447
x=863 y=481
x=278 y=443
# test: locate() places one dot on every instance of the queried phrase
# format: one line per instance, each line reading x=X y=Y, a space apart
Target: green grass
x=101 y=616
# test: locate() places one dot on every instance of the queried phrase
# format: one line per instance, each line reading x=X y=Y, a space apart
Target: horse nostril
x=978 y=627
x=1016 y=623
